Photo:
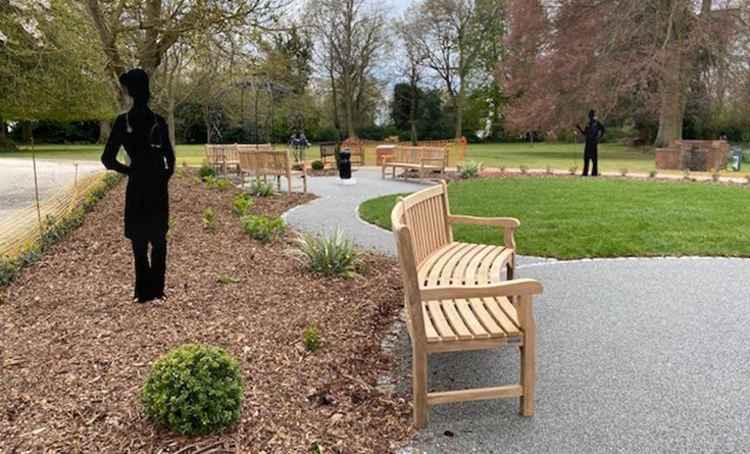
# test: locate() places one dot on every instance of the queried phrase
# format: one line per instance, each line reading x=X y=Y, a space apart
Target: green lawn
x=561 y=156
x=612 y=157
x=575 y=217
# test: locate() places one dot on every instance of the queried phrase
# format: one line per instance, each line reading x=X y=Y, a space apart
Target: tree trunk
x=105 y=128
x=171 y=122
x=413 y=113
x=673 y=97
x=459 y=104
x=5 y=143
x=27 y=132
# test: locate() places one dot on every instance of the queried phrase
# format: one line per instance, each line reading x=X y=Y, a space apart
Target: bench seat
x=465 y=264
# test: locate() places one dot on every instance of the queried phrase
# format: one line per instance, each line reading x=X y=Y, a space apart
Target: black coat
x=152 y=163
x=594 y=131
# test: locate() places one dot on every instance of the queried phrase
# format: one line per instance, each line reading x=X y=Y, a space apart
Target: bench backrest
x=328 y=149
x=420 y=226
x=276 y=162
x=255 y=147
x=415 y=155
x=425 y=214
x=219 y=154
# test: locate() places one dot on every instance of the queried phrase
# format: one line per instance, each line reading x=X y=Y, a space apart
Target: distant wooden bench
x=276 y=163
x=416 y=159
x=328 y=152
x=357 y=147
x=222 y=157
x=456 y=299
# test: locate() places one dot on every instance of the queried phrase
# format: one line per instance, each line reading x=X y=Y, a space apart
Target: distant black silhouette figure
x=145 y=137
x=593 y=133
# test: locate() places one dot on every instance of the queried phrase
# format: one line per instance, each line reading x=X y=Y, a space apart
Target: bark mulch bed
x=76 y=350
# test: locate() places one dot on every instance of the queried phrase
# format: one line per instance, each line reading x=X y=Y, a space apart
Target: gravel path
x=634 y=355
x=17 y=180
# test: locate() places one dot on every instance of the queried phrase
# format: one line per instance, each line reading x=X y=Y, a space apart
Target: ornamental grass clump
x=205 y=171
x=194 y=390
x=470 y=169
x=209 y=219
x=311 y=338
x=333 y=254
x=263 y=228
x=261 y=189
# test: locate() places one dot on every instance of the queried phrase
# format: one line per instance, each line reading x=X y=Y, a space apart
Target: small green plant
x=470 y=169
x=652 y=174
x=311 y=338
x=686 y=174
x=261 y=189
x=502 y=169
x=194 y=390
x=226 y=279
x=206 y=171
x=222 y=184
x=209 y=219
x=524 y=170
x=241 y=204
x=317 y=165
x=623 y=172
x=716 y=175
x=333 y=254
x=315 y=448
x=573 y=170
x=8 y=270
x=263 y=228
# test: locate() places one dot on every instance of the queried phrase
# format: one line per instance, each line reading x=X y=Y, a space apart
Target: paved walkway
x=634 y=355
x=17 y=180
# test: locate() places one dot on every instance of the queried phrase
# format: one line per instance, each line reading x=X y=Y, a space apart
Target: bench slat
x=509 y=310
x=473 y=266
x=491 y=304
x=439 y=321
x=489 y=268
x=485 y=318
x=429 y=328
x=467 y=314
x=436 y=275
x=455 y=320
x=459 y=271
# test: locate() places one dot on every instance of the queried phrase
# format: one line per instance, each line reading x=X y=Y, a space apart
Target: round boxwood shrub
x=317 y=165
x=194 y=390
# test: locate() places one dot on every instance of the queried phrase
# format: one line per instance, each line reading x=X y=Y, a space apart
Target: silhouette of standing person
x=145 y=137
x=593 y=133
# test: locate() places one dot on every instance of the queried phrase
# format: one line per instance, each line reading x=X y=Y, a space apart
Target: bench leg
x=528 y=371
x=419 y=386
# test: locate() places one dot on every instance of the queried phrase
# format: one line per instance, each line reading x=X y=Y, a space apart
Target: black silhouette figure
x=145 y=137
x=593 y=133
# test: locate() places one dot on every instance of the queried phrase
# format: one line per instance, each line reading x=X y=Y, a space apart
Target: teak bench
x=275 y=163
x=420 y=159
x=456 y=300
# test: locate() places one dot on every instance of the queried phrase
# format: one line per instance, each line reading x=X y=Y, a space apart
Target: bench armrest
x=509 y=225
x=516 y=287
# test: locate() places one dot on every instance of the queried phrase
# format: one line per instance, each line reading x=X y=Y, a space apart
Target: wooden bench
x=357 y=147
x=328 y=152
x=419 y=159
x=276 y=163
x=222 y=157
x=456 y=300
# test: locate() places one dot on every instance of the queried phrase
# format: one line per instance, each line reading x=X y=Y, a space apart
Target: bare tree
x=350 y=39
x=141 y=33
x=448 y=34
x=413 y=65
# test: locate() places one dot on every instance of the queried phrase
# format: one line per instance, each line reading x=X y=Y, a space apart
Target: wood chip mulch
x=76 y=349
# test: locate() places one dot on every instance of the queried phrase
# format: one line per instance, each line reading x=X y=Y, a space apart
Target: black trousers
x=591 y=154
x=149 y=277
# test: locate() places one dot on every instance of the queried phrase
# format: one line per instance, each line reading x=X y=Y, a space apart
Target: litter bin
x=735 y=159
x=345 y=164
